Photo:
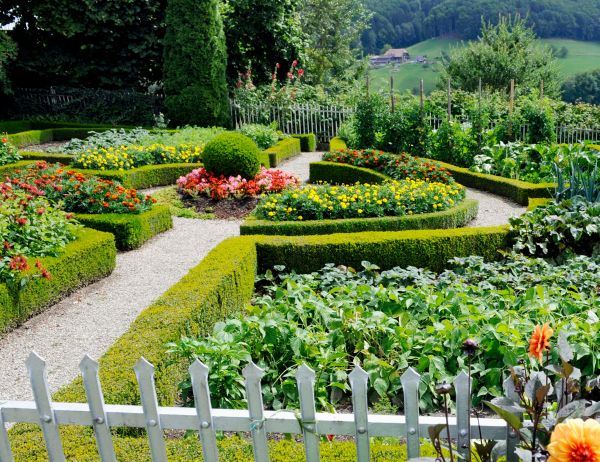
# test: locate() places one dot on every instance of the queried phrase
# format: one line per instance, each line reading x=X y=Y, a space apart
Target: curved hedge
x=454 y=217
x=130 y=230
x=87 y=259
x=336 y=173
x=220 y=285
x=308 y=142
x=47 y=157
x=337 y=144
x=9 y=169
x=284 y=149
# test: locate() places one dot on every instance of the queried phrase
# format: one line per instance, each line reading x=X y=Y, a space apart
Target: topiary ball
x=232 y=154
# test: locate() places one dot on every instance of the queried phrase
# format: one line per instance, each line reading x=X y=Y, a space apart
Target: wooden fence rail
x=255 y=420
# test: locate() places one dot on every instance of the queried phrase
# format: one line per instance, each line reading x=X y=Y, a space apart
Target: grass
x=582 y=57
x=170 y=197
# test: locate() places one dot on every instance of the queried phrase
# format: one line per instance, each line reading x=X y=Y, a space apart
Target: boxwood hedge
x=220 y=285
x=89 y=258
x=336 y=173
x=284 y=149
x=8 y=169
x=308 y=142
x=130 y=230
x=48 y=157
x=455 y=217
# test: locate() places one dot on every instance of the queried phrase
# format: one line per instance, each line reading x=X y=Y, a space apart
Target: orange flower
x=540 y=341
x=575 y=440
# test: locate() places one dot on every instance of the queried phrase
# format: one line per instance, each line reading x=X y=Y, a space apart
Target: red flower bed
x=398 y=166
x=79 y=193
x=201 y=182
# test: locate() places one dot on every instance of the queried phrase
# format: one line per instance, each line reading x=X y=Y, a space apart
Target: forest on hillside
x=405 y=22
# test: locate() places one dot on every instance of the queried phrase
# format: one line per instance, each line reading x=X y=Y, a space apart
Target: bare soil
x=223 y=209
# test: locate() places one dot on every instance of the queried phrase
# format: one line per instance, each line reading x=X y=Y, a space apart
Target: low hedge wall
x=337 y=144
x=308 y=142
x=89 y=258
x=284 y=149
x=48 y=157
x=130 y=230
x=27 y=138
x=9 y=169
x=455 y=217
x=219 y=286
x=147 y=176
x=336 y=173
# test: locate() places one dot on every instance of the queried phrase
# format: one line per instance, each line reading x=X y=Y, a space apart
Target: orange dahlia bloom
x=540 y=341
x=575 y=440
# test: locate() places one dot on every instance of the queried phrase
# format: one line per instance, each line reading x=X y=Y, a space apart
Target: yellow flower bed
x=394 y=198
x=128 y=157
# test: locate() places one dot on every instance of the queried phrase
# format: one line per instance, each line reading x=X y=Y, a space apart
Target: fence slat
x=206 y=427
x=358 y=382
x=252 y=375
x=5 y=451
x=512 y=439
x=463 y=418
x=36 y=367
x=410 y=384
x=305 y=378
x=95 y=398
x=144 y=371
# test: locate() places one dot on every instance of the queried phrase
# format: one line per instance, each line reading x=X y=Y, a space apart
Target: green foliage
x=549 y=230
x=232 y=154
x=422 y=248
x=391 y=198
x=387 y=321
x=8 y=52
x=541 y=125
x=578 y=175
x=455 y=217
x=130 y=231
x=284 y=149
x=367 y=118
x=195 y=60
x=47 y=157
x=189 y=135
x=8 y=152
x=336 y=173
x=112 y=138
x=405 y=130
x=584 y=87
x=169 y=197
x=452 y=142
x=503 y=52
x=308 y=142
x=264 y=136
x=90 y=257
x=148 y=176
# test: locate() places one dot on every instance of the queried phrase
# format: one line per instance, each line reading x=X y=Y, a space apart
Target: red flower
x=300 y=72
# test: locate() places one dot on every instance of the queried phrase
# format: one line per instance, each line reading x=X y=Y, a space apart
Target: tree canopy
x=584 y=87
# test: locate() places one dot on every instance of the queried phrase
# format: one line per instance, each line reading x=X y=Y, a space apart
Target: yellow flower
x=575 y=440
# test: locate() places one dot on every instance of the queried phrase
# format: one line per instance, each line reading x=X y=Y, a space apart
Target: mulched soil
x=224 y=209
x=44 y=147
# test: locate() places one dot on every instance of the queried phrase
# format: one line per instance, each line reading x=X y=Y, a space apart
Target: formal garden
x=414 y=277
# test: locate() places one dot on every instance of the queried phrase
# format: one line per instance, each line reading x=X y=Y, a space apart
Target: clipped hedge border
x=48 y=157
x=9 y=169
x=89 y=258
x=30 y=137
x=130 y=230
x=144 y=177
x=16 y=126
x=337 y=173
x=517 y=190
x=222 y=284
x=308 y=142
x=284 y=149
x=454 y=217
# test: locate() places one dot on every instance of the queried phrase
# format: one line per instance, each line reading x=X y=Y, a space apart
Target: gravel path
x=92 y=318
x=493 y=210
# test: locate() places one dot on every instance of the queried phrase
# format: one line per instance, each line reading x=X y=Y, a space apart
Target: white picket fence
x=255 y=420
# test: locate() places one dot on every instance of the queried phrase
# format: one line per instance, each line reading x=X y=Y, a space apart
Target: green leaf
x=506 y=409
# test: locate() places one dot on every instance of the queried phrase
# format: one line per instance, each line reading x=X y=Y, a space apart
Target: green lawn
x=582 y=57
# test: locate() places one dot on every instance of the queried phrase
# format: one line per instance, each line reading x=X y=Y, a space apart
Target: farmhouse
x=393 y=55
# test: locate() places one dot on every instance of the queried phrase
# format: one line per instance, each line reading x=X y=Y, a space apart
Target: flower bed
x=397 y=166
x=8 y=152
x=97 y=203
x=393 y=198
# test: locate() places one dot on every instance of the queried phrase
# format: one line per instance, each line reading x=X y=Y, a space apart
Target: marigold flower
x=540 y=341
x=575 y=440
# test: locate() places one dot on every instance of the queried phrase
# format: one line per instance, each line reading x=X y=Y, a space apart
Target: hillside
x=581 y=57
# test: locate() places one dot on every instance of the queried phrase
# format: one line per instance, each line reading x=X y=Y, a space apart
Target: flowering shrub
x=398 y=166
x=201 y=182
x=8 y=152
x=29 y=227
x=393 y=198
x=78 y=193
x=128 y=157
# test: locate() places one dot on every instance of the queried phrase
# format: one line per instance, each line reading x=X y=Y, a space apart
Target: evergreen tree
x=195 y=63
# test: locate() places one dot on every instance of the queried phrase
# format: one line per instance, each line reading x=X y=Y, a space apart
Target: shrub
x=540 y=121
x=360 y=201
x=8 y=153
x=551 y=229
x=264 y=136
x=195 y=62
x=284 y=149
x=128 y=157
x=397 y=166
x=232 y=154
x=78 y=193
x=455 y=143
x=405 y=130
x=578 y=175
x=308 y=142
x=202 y=182
x=367 y=120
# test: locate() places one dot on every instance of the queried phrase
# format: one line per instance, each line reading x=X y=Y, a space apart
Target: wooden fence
x=255 y=420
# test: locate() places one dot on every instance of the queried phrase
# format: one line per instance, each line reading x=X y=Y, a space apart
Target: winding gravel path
x=92 y=318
